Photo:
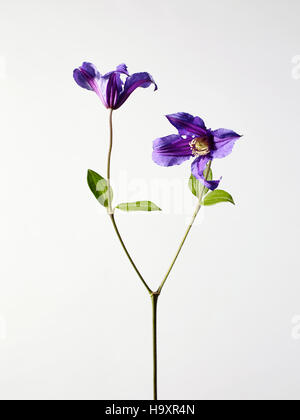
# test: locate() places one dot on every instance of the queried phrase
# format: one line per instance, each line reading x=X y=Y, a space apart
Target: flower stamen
x=199 y=146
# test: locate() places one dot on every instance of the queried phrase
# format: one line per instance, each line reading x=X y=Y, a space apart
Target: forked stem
x=154 y=295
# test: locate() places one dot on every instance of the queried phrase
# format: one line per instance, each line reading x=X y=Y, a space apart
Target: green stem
x=112 y=218
x=154 y=298
x=110 y=210
x=199 y=205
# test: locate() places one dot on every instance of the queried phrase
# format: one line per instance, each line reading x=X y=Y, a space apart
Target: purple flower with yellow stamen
x=110 y=88
x=193 y=140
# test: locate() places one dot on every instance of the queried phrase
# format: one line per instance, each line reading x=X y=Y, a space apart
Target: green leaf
x=196 y=186
x=217 y=196
x=98 y=186
x=138 y=206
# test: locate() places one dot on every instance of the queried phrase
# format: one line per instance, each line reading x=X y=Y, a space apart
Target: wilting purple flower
x=110 y=88
x=193 y=140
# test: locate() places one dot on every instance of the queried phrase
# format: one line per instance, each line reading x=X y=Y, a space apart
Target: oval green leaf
x=217 y=196
x=196 y=186
x=98 y=186
x=138 y=206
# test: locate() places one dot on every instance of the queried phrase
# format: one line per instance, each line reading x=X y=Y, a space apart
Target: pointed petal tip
x=136 y=80
x=187 y=124
x=198 y=166
x=122 y=68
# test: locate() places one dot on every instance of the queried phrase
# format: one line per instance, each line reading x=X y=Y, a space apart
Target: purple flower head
x=111 y=88
x=193 y=140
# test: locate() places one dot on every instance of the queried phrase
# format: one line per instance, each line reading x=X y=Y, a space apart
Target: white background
x=75 y=321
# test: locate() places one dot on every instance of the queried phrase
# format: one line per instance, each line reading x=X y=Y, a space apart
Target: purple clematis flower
x=193 y=140
x=110 y=88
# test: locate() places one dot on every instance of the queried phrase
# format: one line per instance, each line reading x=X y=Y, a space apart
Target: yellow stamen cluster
x=199 y=146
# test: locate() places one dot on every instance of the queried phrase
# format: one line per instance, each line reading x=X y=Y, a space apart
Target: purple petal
x=113 y=87
x=223 y=141
x=143 y=80
x=187 y=124
x=81 y=80
x=122 y=68
x=87 y=76
x=198 y=167
x=91 y=70
x=171 y=150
